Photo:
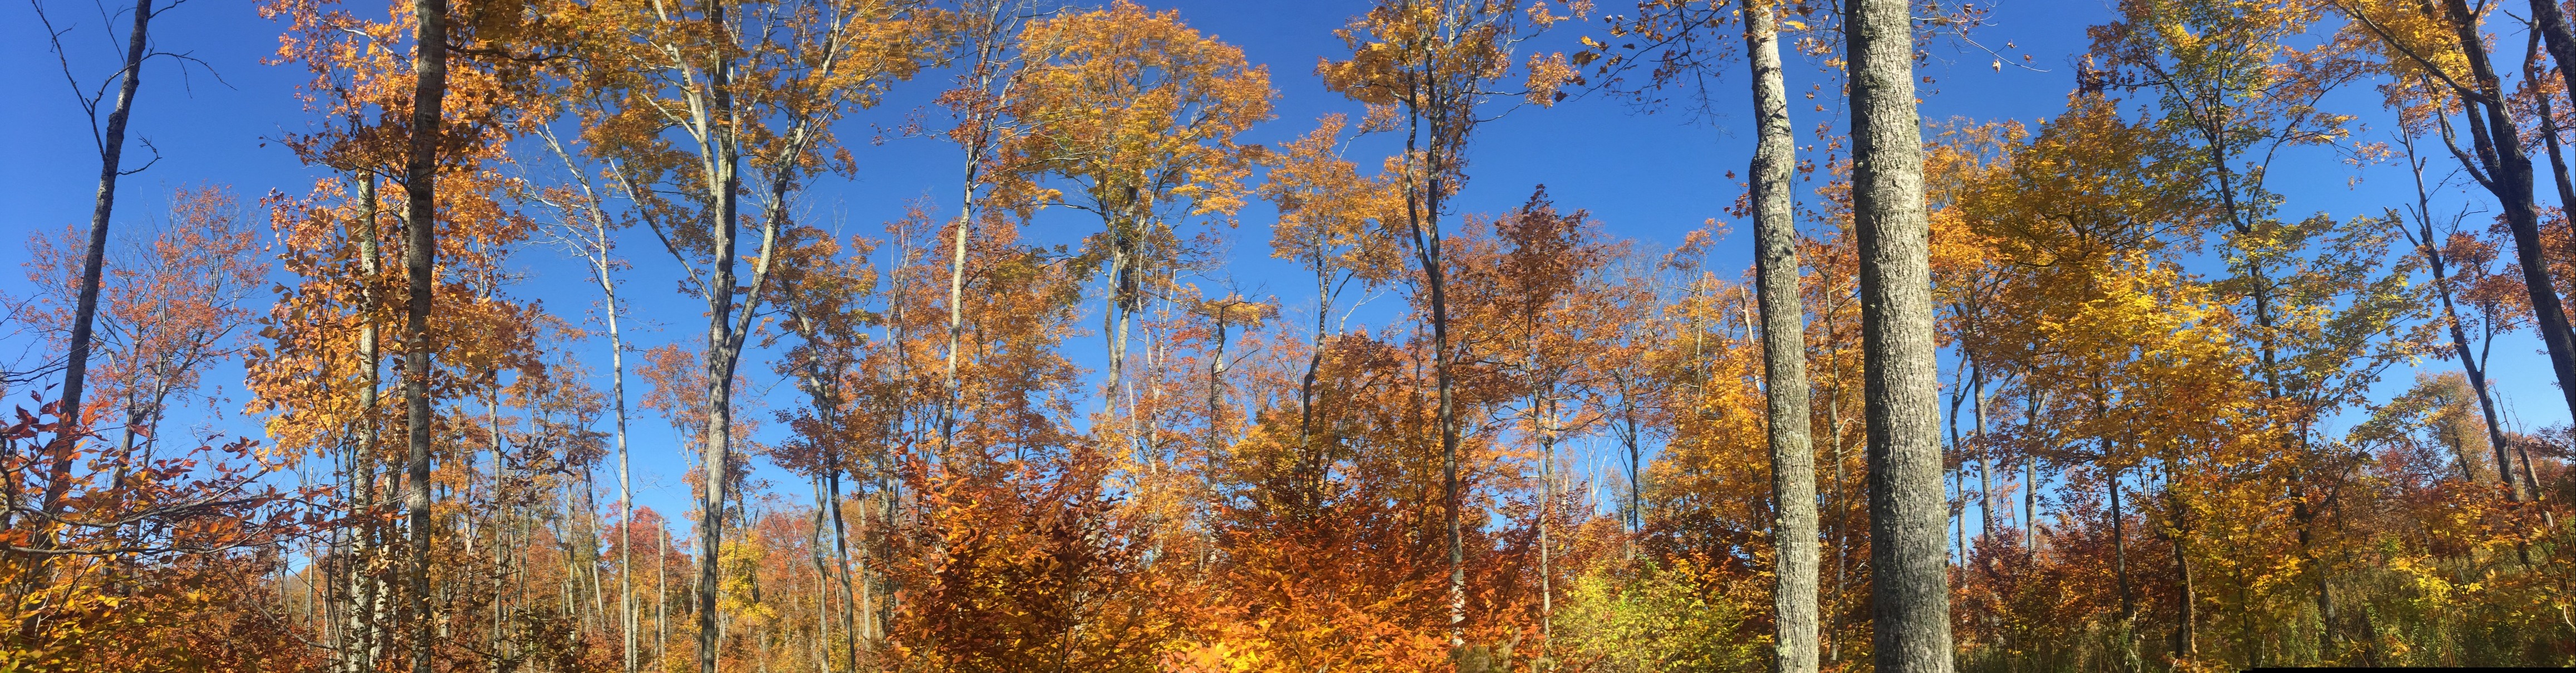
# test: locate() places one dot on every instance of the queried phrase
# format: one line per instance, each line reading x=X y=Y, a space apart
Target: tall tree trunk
x=363 y=649
x=1306 y=478
x=1784 y=352
x=625 y=484
x=420 y=170
x=1426 y=103
x=1909 y=590
x=2531 y=72
x=2550 y=21
x=994 y=20
x=111 y=153
x=1447 y=414
x=724 y=184
x=2508 y=176
x=2425 y=240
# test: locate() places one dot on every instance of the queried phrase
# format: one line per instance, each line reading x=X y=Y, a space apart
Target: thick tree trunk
x=420 y=171
x=1784 y=353
x=1909 y=590
x=2509 y=178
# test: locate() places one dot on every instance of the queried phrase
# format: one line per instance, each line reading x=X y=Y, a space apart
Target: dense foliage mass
x=2162 y=434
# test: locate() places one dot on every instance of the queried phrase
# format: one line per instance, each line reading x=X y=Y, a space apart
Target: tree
x=1137 y=113
x=1784 y=347
x=584 y=229
x=1333 y=221
x=741 y=101
x=420 y=249
x=984 y=91
x=109 y=581
x=2440 y=62
x=1432 y=60
x=1909 y=590
x=2458 y=261
x=111 y=151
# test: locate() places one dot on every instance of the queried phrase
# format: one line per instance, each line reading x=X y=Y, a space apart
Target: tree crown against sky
x=980 y=335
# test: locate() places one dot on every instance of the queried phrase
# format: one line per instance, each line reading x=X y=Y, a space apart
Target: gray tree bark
x=111 y=155
x=420 y=171
x=1909 y=587
x=2509 y=176
x=724 y=184
x=1784 y=352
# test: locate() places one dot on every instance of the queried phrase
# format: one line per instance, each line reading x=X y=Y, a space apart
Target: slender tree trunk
x=111 y=153
x=1985 y=462
x=995 y=19
x=1842 y=489
x=1784 y=352
x=2120 y=552
x=1113 y=329
x=1637 y=484
x=661 y=598
x=2531 y=72
x=1307 y=478
x=1910 y=593
x=1447 y=417
x=823 y=500
x=2550 y=21
x=1959 y=511
x=1546 y=501
x=2522 y=451
x=362 y=656
x=1216 y=397
x=1958 y=505
x=956 y=317
x=1425 y=103
x=2424 y=239
x=841 y=553
x=2032 y=401
x=420 y=252
x=625 y=483
x=2184 y=642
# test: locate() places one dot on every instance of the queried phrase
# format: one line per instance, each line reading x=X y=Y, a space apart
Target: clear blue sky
x=1647 y=176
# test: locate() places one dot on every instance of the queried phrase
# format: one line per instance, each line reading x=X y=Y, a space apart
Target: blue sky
x=1651 y=177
